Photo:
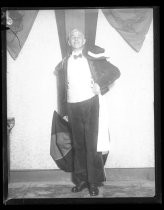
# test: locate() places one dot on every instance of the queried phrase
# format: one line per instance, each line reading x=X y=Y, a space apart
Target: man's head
x=76 y=39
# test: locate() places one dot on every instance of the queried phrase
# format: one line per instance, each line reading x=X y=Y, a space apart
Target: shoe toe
x=74 y=189
x=79 y=187
x=94 y=191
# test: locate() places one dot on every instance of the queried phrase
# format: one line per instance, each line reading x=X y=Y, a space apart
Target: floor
x=137 y=188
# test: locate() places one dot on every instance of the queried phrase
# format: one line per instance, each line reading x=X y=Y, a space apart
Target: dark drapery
x=85 y=20
x=132 y=24
x=19 y=23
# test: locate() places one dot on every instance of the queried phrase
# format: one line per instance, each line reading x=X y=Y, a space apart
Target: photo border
x=157 y=125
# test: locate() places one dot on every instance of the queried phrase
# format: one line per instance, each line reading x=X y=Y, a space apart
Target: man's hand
x=96 y=89
x=65 y=118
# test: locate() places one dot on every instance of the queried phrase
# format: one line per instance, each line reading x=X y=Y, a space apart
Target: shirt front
x=80 y=82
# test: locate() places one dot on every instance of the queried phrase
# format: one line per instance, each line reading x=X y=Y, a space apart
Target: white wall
x=31 y=90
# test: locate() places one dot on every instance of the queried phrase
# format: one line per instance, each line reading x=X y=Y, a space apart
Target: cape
x=60 y=145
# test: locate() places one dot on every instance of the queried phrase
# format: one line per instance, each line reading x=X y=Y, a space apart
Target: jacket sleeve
x=106 y=74
x=61 y=89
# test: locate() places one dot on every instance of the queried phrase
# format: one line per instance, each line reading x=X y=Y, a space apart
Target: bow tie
x=77 y=56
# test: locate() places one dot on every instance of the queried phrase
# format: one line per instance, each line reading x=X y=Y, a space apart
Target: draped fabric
x=61 y=26
x=74 y=19
x=19 y=23
x=60 y=147
x=84 y=20
x=132 y=24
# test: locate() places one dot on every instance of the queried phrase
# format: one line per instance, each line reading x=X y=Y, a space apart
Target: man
x=81 y=78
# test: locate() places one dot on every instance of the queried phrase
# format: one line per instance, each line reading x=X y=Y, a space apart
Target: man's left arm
x=107 y=73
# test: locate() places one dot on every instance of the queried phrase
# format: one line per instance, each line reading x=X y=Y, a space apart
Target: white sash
x=103 y=143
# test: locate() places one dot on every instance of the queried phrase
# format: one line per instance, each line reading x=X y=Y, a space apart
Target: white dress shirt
x=80 y=82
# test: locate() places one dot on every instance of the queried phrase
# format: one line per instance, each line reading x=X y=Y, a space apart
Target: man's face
x=76 y=39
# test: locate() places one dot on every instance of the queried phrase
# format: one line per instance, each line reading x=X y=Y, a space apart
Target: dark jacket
x=103 y=72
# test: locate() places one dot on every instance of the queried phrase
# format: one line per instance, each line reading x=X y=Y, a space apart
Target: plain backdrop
x=31 y=97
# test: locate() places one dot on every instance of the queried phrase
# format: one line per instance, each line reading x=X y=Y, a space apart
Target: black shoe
x=79 y=187
x=93 y=190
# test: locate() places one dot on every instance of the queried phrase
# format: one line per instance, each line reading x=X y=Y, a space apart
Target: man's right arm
x=58 y=68
x=59 y=73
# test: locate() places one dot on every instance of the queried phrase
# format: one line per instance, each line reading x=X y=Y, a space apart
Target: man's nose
x=76 y=38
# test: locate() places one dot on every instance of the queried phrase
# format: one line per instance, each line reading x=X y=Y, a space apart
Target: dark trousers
x=88 y=163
